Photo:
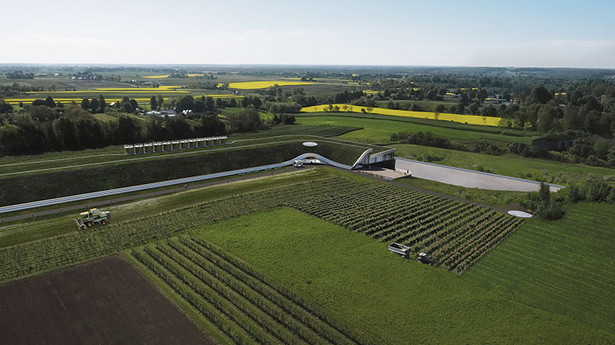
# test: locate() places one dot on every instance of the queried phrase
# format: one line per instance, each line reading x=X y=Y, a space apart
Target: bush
x=574 y=194
x=550 y=211
x=543 y=205
x=597 y=191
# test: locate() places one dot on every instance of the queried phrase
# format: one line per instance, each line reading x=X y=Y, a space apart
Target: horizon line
x=289 y=65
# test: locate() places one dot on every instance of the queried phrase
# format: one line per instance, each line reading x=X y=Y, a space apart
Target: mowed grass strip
x=565 y=266
x=357 y=279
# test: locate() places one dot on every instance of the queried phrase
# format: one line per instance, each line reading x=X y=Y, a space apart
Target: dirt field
x=102 y=302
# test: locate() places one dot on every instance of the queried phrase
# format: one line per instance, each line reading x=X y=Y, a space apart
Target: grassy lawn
x=565 y=266
x=508 y=164
x=357 y=279
x=380 y=130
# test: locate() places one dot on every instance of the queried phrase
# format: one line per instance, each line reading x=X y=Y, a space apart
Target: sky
x=345 y=32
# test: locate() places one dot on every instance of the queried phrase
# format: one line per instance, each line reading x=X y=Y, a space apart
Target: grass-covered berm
x=89 y=178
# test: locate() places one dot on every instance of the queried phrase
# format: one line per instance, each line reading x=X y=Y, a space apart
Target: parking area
x=467 y=178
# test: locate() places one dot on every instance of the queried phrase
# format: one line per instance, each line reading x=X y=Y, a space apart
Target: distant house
x=169 y=113
x=495 y=100
x=559 y=142
x=450 y=95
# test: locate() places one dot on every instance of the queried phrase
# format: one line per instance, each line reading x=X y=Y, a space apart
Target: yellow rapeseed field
x=195 y=75
x=161 y=87
x=469 y=119
x=250 y=85
x=156 y=76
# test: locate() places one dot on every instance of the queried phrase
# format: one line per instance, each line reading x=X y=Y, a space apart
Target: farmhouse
x=169 y=113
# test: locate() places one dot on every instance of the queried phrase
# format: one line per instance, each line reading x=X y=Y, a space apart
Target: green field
x=565 y=266
x=546 y=283
x=377 y=130
x=356 y=278
x=61 y=87
x=507 y=164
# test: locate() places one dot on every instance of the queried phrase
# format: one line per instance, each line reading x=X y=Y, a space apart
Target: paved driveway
x=468 y=178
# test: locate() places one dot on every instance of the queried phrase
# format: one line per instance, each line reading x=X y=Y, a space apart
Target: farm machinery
x=92 y=217
x=399 y=249
x=423 y=258
x=404 y=252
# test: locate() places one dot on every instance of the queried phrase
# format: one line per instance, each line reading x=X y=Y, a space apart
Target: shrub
x=550 y=210
x=543 y=205
x=597 y=191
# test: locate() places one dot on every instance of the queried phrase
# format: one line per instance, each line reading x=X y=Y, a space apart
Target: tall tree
x=50 y=102
x=540 y=95
x=153 y=103
x=102 y=104
x=94 y=105
x=85 y=104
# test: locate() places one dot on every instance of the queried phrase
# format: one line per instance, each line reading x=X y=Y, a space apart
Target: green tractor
x=91 y=217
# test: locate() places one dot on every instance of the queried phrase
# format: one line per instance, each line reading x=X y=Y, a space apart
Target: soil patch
x=105 y=301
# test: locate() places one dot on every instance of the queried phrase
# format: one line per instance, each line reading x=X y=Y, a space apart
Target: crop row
x=238 y=300
x=454 y=233
x=59 y=251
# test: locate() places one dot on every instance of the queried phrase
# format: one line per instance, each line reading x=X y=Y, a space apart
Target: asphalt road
x=468 y=178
